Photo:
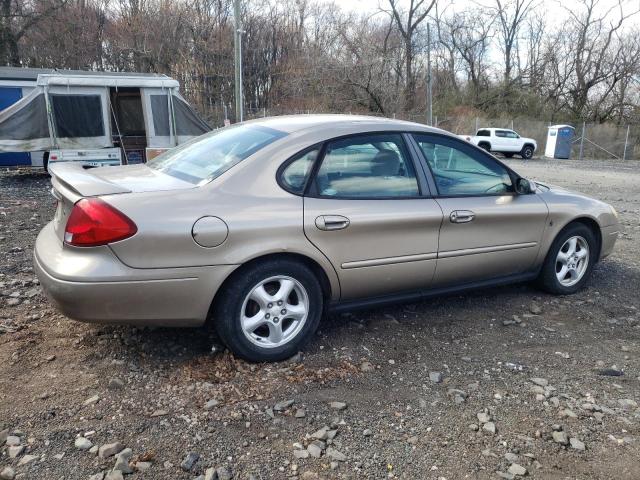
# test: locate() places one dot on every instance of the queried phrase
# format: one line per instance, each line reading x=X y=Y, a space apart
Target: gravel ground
x=492 y=384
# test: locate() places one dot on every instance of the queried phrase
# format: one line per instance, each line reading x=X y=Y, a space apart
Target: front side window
x=368 y=166
x=210 y=155
x=458 y=171
x=510 y=134
x=501 y=133
x=295 y=174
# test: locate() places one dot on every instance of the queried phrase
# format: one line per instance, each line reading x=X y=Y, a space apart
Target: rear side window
x=295 y=174
x=210 y=155
x=368 y=166
x=483 y=133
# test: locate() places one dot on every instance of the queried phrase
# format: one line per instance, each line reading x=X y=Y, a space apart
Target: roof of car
x=294 y=123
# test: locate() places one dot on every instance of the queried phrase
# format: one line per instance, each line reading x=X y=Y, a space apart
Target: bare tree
x=511 y=15
x=17 y=18
x=407 y=24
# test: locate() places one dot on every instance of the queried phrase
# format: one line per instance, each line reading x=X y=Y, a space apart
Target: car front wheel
x=269 y=310
x=570 y=260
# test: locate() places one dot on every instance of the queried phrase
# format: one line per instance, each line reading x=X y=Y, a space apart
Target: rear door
x=368 y=210
x=488 y=231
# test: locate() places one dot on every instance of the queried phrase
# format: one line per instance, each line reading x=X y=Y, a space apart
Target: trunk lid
x=71 y=182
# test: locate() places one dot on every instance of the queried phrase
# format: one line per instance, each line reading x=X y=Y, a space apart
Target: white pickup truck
x=502 y=140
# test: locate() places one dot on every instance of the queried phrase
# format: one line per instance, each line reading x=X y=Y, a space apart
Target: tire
x=45 y=161
x=508 y=155
x=242 y=298
x=549 y=278
x=485 y=146
x=527 y=152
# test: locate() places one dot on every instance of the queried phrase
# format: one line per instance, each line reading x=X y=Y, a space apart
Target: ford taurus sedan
x=262 y=227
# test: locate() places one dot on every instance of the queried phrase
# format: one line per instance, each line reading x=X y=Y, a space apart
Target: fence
x=601 y=140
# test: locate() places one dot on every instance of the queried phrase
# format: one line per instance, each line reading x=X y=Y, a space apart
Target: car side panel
x=503 y=239
x=389 y=245
x=565 y=207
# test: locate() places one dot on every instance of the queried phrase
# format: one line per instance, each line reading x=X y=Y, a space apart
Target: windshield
x=209 y=156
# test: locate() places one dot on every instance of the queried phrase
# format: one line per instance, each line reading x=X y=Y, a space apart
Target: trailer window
x=209 y=156
x=160 y=113
x=77 y=115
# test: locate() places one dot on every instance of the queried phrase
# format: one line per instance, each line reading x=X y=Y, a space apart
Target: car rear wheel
x=570 y=260
x=527 y=152
x=269 y=311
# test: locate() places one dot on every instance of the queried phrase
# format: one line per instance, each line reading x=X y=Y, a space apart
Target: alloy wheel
x=572 y=261
x=274 y=311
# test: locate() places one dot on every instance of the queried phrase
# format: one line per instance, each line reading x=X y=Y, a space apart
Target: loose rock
x=110 y=449
x=82 y=443
x=189 y=461
x=560 y=437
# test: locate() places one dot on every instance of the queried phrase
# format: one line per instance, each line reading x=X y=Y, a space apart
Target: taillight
x=93 y=222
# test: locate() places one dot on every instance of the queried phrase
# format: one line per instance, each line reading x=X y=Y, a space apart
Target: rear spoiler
x=80 y=180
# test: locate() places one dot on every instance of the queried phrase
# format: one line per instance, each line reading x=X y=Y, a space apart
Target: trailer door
x=169 y=119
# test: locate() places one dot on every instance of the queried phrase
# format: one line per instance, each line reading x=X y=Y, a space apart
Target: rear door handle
x=462 y=216
x=332 y=222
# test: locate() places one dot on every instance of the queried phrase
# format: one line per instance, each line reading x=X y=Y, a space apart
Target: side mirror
x=524 y=186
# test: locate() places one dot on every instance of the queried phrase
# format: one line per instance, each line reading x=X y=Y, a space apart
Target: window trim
x=296 y=156
x=474 y=152
x=423 y=186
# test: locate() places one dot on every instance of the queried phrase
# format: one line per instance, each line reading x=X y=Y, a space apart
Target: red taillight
x=93 y=222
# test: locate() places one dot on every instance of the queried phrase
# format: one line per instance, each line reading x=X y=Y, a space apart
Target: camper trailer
x=99 y=118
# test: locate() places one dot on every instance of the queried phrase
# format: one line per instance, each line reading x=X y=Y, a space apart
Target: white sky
x=556 y=13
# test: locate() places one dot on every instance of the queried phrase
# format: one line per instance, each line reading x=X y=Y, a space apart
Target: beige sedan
x=262 y=227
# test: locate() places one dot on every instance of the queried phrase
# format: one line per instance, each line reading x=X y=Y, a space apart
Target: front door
x=488 y=230
x=366 y=212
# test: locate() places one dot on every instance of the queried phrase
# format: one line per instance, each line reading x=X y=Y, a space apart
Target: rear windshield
x=210 y=155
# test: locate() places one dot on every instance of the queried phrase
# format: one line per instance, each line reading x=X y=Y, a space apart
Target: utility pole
x=429 y=96
x=584 y=128
x=626 y=141
x=237 y=51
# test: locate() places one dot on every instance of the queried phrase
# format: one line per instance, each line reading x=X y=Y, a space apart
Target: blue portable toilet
x=559 y=141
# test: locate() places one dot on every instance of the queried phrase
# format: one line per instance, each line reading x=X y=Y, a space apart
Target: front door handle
x=332 y=222
x=462 y=216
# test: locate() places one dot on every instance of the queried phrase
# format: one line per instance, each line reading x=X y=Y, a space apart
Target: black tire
x=527 y=152
x=45 y=161
x=548 y=280
x=227 y=309
x=485 y=146
x=508 y=155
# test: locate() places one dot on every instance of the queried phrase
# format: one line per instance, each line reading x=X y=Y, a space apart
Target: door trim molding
x=375 y=262
x=418 y=295
x=495 y=248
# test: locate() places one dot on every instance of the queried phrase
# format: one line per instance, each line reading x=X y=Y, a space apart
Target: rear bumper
x=92 y=285
x=609 y=236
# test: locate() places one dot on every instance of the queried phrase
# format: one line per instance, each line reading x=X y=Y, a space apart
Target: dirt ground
x=489 y=384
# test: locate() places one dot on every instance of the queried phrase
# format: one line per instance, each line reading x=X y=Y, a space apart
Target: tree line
x=501 y=58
